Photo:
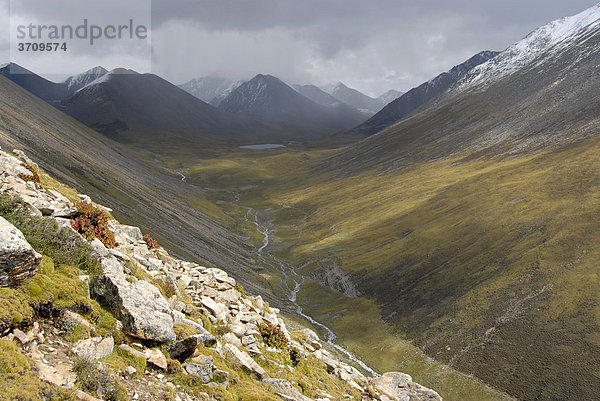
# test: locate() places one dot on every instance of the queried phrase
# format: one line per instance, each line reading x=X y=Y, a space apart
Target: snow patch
x=546 y=41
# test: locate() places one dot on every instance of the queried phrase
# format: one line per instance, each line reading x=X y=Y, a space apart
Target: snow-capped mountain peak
x=79 y=81
x=546 y=41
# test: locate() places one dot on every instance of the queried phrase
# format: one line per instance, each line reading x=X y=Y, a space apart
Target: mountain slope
x=154 y=198
x=389 y=96
x=268 y=97
x=207 y=88
x=470 y=223
x=418 y=96
x=143 y=108
x=49 y=91
x=355 y=98
x=316 y=94
x=77 y=82
x=497 y=110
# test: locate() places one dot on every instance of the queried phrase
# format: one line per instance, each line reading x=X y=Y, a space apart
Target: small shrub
x=239 y=288
x=272 y=335
x=173 y=366
x=151 y=243
x=92 y=222
x=92 y=378
x=33 y=177
x=46 y=237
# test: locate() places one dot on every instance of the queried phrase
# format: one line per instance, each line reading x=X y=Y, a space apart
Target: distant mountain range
x=122 y=104
x=270 y=98
x=355 y=98
x=420 y=95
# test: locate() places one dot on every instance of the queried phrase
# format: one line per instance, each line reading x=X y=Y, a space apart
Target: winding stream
x=291 y=281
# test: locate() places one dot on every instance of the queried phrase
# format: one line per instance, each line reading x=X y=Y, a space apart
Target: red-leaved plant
x=33 y=177
x=92 y=222
x=151 y=243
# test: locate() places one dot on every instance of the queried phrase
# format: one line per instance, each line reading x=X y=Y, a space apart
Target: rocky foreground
x=149 y=326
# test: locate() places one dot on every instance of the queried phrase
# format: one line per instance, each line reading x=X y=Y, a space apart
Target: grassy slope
x=487 y=265
x=272 y=186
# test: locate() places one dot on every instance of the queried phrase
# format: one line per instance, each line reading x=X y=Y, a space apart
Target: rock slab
x=18 y=260
x=140 y=306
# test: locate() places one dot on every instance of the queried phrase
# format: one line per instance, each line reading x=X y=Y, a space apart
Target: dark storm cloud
x=373 y=45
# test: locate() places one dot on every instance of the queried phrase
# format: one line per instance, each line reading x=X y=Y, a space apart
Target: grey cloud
x=373 y=45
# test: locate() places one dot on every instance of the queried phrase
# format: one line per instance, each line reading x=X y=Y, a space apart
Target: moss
x=120 y=360
x=183 y=331
x=60 y=287
x=78 y=332
x=18 y=380
x=14 y=310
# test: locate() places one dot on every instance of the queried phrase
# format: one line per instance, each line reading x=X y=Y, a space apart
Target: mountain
x=77 y=82
x=144 y=108
x=316 y=94
x=389 y=96
x=49 y=91
x=207 y=88
x=355 y=98
x=471 y=221
x=269 y=98
x=418 y=96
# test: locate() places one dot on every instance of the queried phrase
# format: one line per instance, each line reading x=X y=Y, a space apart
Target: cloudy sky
x=372 y=45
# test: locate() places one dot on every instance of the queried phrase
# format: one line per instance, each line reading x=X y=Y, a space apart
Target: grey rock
x=183 y=349
x=140 y=306
x=94 y=348
x=18 y=260
x=286 y=390
x=156 y=357
x=132 y=351
x=243 y=360
x=133 y=234
x=231 y=338
x=401 y=386
x=204 y=372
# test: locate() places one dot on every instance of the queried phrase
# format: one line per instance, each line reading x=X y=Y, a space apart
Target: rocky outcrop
x=286 y=390
x=141 y=307
x=18 y=260
x=243 y=360
x=401 y=387
x=94 y=348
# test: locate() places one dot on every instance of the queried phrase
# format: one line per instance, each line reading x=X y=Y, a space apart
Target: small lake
x=263 y=146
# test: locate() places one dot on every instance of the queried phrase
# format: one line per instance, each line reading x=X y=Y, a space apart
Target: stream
x=291 y=281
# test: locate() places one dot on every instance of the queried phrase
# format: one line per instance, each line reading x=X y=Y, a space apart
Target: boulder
x=400 y=386
x=156 y=358
x=231 y=338
x=132 y=351
x=94 y=348
x=286 y=390
x=18 y=260
x=243 y=360
x=140 y=306
x=183 y=349
x=132 y=234
x=204 y=372
x=218 y=310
